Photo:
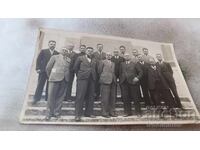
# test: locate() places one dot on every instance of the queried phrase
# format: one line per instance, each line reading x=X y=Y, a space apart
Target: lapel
x=86 y=60
x=48 y=52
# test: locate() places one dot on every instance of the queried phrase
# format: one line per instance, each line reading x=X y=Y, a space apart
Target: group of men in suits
x=98 y=74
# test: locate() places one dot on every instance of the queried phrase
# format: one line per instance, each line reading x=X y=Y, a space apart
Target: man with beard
x=41 y=63
x=167 y=72
x=85 y=68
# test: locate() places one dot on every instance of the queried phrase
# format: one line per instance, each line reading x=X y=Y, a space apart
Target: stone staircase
x=36 y=115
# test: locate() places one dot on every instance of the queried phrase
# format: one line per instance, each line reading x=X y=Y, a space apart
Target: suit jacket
x=99 y=56
x=43 y=58
x=152 y=80
x=129 y=72
x=134 y=59
x=166 y=71
x=73 y=57
x=117 y=62
x=146 y=58
x=144 y=68
x=84 y=69
x=58 y=68
x=106 y=70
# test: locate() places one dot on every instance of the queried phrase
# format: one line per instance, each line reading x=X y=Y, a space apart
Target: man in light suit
x=99 y=55
x=86 y=70
x=41 y=63
x=130 y=75
x=58 y=71
x=167 y=72
x=146 y=55
x=106 y=70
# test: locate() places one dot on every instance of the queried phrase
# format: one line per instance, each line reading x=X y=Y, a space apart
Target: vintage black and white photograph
x=94 y=79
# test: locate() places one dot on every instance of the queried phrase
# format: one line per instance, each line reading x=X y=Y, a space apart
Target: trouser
x=108 y=98
x=160 y=93
x=173 y=89
x=145 y=92
x=69 y=86
x=42 y=79
x=97 y=88
x=131 y=91
x=56 y=95
x=85 y=93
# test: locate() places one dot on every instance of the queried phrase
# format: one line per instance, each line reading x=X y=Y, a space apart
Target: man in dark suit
x=144 y=81
x=41 y=63
x=106 y=70
x=72 y=56
x=130 y=75
x=99 y=55
x=58 y=71
x=117 y=61
x=82 y=50
x=158 y=86
x=85 y=68
x=167 y=72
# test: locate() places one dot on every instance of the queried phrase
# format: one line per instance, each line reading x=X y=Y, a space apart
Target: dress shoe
x=106 y=116
x=48 y=117
x=113 y=115
x=77 y=119
x=57 y=116
x=126 y=115
x=139 y=115
x=90 y=116
x=34 y=102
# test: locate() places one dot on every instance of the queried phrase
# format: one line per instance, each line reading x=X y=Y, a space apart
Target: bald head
x=70 y=46
x=159 y=57
x=127 y=57
x=108 y=55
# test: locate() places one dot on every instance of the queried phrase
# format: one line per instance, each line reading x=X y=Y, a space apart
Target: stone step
x=97 y=104
x=97 y=111
x=183 y=99
x=145 y=119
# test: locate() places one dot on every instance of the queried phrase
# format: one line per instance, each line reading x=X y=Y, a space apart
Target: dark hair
x=90 y=48
x=83 y=45
x=99 y=44
x=52 y=41
x=122 y=46
x=145 y=48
